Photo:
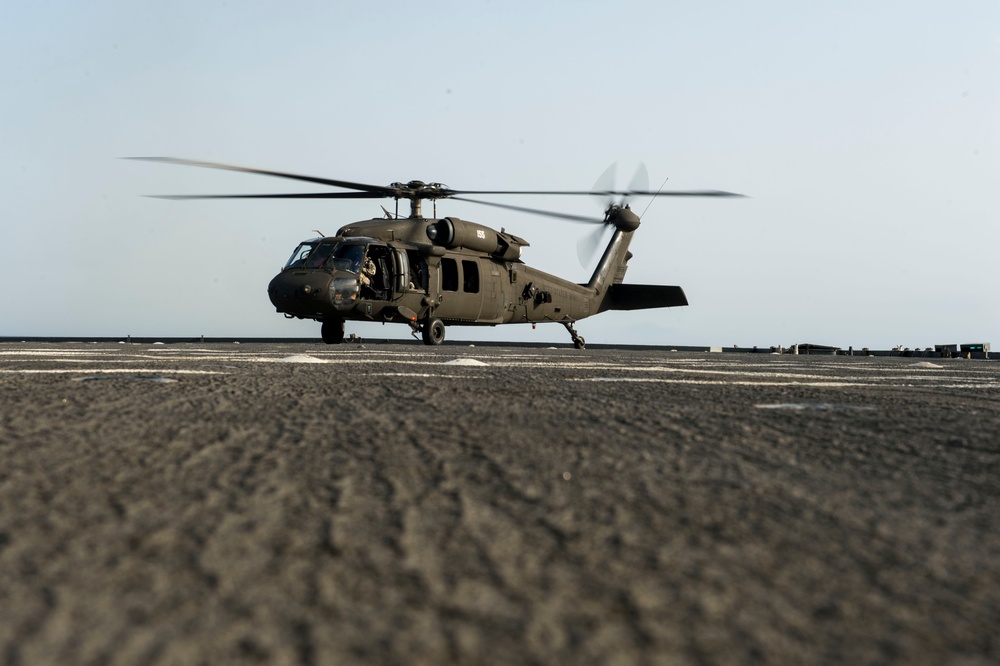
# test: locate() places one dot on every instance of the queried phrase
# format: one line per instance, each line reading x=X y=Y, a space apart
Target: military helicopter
x=429 y=273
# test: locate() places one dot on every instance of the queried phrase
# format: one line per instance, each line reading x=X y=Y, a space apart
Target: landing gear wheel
x=332 y=331
x=579 y=343
x=433 y=332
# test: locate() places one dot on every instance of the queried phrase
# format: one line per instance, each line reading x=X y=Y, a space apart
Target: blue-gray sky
x=864 y=133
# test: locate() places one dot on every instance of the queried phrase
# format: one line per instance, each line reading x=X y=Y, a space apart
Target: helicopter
x=430 y=272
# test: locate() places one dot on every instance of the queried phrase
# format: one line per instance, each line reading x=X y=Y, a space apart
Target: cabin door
x=493 y=293
x=461 y=289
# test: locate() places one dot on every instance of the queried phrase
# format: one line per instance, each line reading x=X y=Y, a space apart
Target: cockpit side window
x=348 y=258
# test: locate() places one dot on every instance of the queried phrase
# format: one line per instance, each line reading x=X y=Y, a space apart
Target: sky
x=863 y=134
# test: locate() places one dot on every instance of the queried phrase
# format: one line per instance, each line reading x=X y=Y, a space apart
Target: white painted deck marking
x=777 y=371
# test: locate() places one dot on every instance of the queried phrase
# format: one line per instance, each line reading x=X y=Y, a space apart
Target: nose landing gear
x=332 y=331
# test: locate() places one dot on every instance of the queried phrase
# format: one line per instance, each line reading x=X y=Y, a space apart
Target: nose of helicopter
x=311 y=293
x=291 y=292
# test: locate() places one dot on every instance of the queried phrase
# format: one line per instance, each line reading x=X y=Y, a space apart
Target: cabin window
x=449 y=275
x=470 y=271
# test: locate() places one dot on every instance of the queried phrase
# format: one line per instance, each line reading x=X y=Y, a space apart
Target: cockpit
x=328 y=278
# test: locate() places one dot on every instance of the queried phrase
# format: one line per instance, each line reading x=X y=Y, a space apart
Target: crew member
x=367 y=272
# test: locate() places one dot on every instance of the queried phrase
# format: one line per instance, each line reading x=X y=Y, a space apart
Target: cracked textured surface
x=550 y=506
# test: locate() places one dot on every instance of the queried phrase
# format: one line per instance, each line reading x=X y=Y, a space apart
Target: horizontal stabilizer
x=643 y=296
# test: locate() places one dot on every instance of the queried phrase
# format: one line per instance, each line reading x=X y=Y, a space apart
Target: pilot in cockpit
x=358 y=262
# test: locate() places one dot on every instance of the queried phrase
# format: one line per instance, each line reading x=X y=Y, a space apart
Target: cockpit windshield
x=338 y=256
x=319 y=255
x=298 y=258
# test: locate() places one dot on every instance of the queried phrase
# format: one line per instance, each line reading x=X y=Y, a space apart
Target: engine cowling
x=451 y=232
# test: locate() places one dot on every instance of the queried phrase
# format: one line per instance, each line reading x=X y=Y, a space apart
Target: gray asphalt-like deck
x=402 y=504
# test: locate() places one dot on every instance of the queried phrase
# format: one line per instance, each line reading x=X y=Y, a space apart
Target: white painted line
x=416 y=374
x=831 y=384
x=106 y=371
x=298 y=358
x=818 y=406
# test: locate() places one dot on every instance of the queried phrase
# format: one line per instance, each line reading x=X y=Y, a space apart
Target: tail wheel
x=433 y=332
x=332 y=331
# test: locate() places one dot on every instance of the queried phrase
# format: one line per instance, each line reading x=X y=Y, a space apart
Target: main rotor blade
x=535 y=211
x=309 y=195
x=450 y=192
x=683 y=193
x=443 y=193
x=380 y=189
x=601 y=193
